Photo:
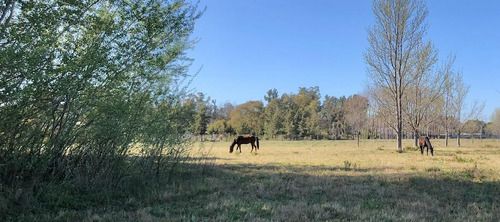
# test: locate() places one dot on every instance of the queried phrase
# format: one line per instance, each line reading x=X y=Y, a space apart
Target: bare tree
x=394 y=41
x=356 y=108
x=462 y=111
x=495 y=122
x=447 y=97
x=473 y=127
x=424 y=91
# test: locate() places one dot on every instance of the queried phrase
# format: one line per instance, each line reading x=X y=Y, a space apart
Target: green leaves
x=81 y=82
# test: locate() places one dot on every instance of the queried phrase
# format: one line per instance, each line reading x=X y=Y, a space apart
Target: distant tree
x=495 y=122
x=309 y=107
x=461 y=111
x=201 y=121
x=474 y=127
x=394 y=43
x=271 y=94
x=273 y=116
x=291 y=116
x=446 y=101
x=203 y=114
x=246 y=118
x=218 y=127
x=490 y=130
x=224 y=111
x=356 y=108
x=213 y=109
x=373 y=124
x=332 y=116
x=326 y=116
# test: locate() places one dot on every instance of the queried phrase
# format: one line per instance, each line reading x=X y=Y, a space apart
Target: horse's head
x=231 y=148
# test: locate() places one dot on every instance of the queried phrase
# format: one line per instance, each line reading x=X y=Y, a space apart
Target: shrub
x=80 y=87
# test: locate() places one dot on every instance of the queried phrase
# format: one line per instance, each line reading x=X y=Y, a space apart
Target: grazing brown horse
x=424 y=141
x=244 y=140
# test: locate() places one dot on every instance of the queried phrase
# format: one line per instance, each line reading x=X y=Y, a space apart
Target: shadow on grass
x=298 y=193
x=247 y=192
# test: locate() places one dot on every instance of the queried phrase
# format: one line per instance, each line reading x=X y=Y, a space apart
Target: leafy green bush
x=81 y=84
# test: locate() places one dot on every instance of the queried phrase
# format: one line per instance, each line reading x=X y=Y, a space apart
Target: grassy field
x=321 y=181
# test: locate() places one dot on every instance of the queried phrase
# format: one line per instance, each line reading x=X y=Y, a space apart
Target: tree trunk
x=415 y=139
x=400 y=142
x=446 y=139
x=358 y=139
x=400 y=123
x=458 y=138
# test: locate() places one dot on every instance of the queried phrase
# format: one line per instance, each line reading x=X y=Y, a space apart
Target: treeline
x=290 y=116
x=306 y=115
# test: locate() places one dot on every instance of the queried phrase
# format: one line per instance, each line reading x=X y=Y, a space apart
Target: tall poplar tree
x=394 y=41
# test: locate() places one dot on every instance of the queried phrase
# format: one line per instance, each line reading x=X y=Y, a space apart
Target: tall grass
x=307 y=181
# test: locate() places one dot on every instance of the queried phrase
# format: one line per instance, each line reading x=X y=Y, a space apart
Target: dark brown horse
x=244 y=140
x=424 y=141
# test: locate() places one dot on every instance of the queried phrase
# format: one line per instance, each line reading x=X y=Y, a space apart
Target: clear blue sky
x=247 y=47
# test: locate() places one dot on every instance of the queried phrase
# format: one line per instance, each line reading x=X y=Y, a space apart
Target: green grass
x=313 y=181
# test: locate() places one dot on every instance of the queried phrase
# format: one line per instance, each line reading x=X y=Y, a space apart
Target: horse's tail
x=257 y=139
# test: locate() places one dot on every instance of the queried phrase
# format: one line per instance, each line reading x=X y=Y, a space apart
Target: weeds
x=464 y=160
x=411 y=148
x=214 y=185
x=432 y=169
x=473 y=173
x=489 y=146
x=348 y=166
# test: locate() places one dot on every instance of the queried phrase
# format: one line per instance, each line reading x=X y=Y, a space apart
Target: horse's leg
x=252 y=146
x=421 y=150
x=427 y=150
x=239 y=146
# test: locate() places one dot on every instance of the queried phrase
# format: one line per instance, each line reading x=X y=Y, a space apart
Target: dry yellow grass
x=337 y=181
x=372 y=157
x=320 y=181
